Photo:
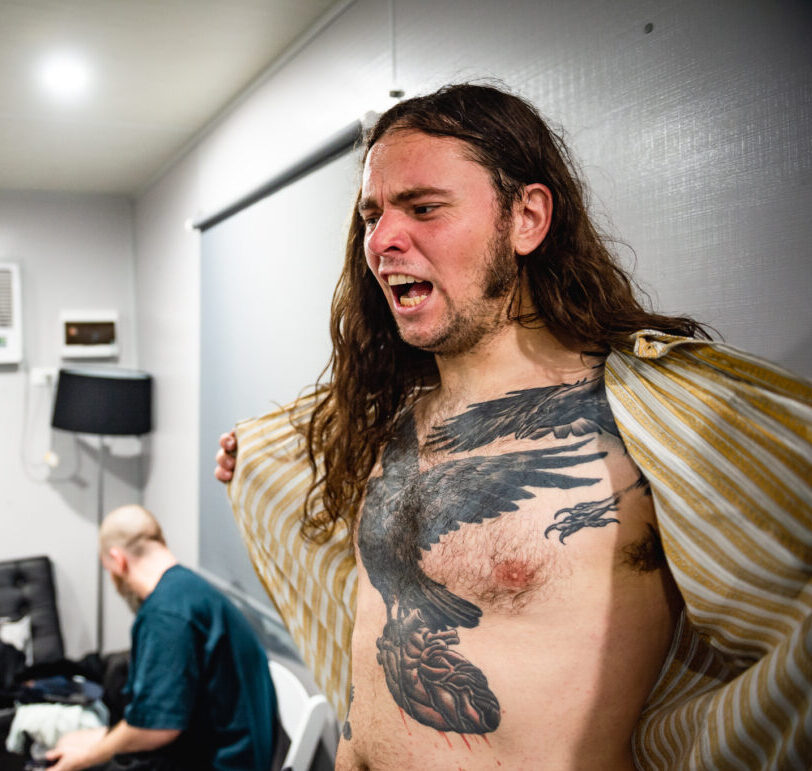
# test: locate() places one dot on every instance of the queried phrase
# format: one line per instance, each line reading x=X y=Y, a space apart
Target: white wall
x=695 y=138
x=168 y=291
x=75 y=252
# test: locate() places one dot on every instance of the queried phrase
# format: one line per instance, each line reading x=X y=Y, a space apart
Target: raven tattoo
x=577 y=409
x=407 y=511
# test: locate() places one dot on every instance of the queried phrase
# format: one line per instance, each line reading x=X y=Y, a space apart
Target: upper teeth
x=395 y=279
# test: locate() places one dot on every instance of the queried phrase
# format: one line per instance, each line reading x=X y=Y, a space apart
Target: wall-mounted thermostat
x=89 y=334
x=11 y=314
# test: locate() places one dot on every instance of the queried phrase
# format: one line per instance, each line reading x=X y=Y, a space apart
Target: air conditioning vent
x=6 y=302
x=11 y=335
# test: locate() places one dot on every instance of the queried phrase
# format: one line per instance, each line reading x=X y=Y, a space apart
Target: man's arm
x=226 y=459
x=72 y=755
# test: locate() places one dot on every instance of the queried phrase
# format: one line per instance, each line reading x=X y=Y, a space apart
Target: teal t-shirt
x=197 y=666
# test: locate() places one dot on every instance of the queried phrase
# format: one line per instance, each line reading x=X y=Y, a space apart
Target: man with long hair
x=515 y=607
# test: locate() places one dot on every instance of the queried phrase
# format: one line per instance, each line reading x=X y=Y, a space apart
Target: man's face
x=436 y=241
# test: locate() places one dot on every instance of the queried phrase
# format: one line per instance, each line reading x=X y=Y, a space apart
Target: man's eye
x=424 y=208
x=370 y=222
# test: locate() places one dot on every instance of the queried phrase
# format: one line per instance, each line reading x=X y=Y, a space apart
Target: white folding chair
x=302 y=716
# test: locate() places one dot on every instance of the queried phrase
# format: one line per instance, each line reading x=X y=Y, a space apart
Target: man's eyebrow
x=365 y=204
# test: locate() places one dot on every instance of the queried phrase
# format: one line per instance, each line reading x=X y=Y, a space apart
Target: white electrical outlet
x=43 y=376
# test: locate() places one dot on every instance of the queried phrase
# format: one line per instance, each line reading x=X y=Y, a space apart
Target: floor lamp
x=107 y=402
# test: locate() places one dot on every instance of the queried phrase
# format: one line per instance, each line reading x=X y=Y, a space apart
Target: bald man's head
x=131 y=528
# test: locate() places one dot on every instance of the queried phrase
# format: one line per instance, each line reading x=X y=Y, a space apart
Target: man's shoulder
x=182 y=592
x=177 y=580
x=179 y=575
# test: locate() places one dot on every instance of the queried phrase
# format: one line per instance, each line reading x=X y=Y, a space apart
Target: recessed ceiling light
x=65 y=76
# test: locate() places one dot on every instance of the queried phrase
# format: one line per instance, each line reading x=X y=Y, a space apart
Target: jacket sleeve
x=312 y=585
x=725 y=440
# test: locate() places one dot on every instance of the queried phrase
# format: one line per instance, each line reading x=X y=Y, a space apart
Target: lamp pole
x=99 y=568
x=105 y=402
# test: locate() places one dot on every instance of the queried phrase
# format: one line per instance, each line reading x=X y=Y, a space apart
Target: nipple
x=513 y=574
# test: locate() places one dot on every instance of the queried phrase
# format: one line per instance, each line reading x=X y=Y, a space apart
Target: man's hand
x=83 y=749
x=83 y=739
x=226 y=459
x=73 y=748
x=69 y=758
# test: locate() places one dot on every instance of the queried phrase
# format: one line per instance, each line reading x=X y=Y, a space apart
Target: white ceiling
x=162 y=70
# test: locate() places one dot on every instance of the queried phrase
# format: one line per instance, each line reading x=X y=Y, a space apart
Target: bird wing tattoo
x=477 y=488
x=406 y=511
x=569 y=409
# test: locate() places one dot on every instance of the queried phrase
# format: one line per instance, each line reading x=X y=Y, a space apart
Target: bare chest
x=517 y=526
x=504 y=527
x=504 y=497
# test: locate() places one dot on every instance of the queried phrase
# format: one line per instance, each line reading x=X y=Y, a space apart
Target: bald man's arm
x=74 y=752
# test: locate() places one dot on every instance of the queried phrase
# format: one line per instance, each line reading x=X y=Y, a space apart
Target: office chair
x=302 y=716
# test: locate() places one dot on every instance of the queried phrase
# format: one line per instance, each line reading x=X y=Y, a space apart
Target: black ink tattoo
x=584 y=514
x=407 y=511
x=590 y=513
x=346 y=731
x=577 y=409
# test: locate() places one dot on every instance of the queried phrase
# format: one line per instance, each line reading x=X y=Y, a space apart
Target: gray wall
x=75 y=252
x=695 y=138
x=267 y=278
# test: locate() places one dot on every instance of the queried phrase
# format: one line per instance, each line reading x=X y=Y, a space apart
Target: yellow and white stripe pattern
x=312 y=585
x=725 y=441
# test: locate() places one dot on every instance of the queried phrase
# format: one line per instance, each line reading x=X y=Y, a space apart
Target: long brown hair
x=578 y=290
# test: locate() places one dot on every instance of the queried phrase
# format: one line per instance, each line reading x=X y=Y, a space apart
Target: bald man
x=200 y=692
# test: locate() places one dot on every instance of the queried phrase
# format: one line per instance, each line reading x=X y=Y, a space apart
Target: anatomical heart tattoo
x=407 y=511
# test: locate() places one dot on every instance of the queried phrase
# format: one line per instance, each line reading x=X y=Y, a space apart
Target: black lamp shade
x=112 y=402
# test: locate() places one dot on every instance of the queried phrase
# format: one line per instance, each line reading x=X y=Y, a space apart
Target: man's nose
x=390 y=234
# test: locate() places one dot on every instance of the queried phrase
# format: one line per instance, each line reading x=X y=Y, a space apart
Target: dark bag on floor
x=12 y=662
x=146 y=761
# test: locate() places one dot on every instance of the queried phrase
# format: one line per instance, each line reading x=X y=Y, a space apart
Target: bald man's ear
x=532 y=216
x=115 y=561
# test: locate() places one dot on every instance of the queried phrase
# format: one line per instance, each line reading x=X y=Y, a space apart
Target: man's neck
x=514 y=358
x=147 y=571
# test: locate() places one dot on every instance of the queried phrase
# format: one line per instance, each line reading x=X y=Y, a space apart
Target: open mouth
x=408 y=290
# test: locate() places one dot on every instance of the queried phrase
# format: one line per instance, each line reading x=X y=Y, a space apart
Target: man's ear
x=532 y=216
x=116 y=561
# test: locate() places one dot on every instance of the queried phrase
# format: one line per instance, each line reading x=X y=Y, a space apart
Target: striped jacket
x=725 y=441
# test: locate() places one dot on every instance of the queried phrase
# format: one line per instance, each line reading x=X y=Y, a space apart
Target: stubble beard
x=466 y=327
x=134 y=602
